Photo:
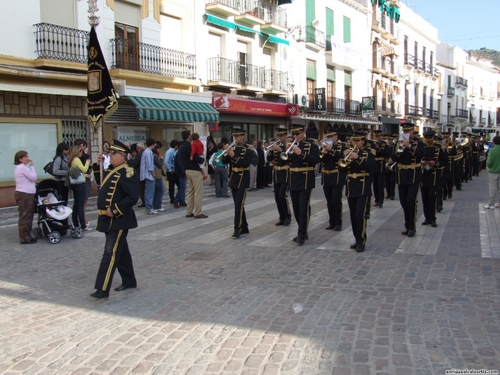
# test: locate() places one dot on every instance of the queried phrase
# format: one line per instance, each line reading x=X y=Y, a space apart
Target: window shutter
x=347 y=30
x=329 y=23
x=310 y=12
x=348 y=79
x=330 y=74
x=311 y=70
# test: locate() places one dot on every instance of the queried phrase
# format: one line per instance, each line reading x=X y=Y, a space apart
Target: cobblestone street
x=210 y=304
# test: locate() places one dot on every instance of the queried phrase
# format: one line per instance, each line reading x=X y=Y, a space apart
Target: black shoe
x=434 y=224
x=142 y=205
x=388 y=197
x=338 y=228
x=287 y=221
x=375 y=205
x=426 y=222
x=123 y=287
x=280 y=223
x=392 y=198
x=449 y=196
x=404 y=233
x=100 y=294
x=183 y=204
x=294 y=239
x=439 y=209
x=367 y=217
x=244 y=230
x=459 y=189
x=380 y=205
x=33 y=240
x=466 y=181
x=444 y=198
x=330 y=227
x=176 y=205
x=353 y=246
x=236 y=234
x=411 y=232
x=360 y=248
x=300 y=241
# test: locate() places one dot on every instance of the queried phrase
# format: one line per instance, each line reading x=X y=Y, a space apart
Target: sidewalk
x=209 y=304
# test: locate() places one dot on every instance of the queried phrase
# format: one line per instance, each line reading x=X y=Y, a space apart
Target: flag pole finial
x=93 y=17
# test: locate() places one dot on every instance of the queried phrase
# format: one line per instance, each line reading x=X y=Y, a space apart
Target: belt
x=357 y=175
x=302 y=169
x=240 y=169
x=330 y=171
x=102 y=212
x=409 y=166
x=282 y=168
x=379 y=159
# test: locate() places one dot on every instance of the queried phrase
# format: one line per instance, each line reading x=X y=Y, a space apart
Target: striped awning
x=153 y=109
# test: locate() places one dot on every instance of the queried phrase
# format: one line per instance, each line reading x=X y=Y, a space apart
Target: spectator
x=253 y=167
x=221 y=175
x=147 y=174
x=172 y=177
x=84 y=157
x=25 y=177
x=105 y=164
x=61 y=170
x=75 y=164
x=159 y=184
x=135 y=162
x=197 y=148
x=193 y=175
x=493 y=165
x=211 y=149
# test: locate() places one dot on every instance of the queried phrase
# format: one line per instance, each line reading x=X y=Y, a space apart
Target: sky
x=468 y=24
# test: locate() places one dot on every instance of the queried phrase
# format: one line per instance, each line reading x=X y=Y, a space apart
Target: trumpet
x=450 y=144
x=284 y=154
x=268 y=148
x=345 y=161
x=390 y=166
x=324 y=144
x=218 y=158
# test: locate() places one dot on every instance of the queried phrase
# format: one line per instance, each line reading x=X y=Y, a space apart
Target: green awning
x=152 y=109
x=220 y=22
x=275 y=39
x=247 y=29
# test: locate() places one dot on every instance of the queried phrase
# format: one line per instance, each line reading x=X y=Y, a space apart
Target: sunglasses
x=114 y=152
x=296 y=133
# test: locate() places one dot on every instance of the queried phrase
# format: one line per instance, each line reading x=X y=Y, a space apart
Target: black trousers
x=301 y=210
x=333 y=195
x=378 y=186
x=281 y=198
x=240 y=218
x=116 y=255
x=429 y=203
x=447 y=183
x=173 y=180
x=390 y=184
x=439 y=191
x=409 y=202
x=357 y=209
x=457 y=176
x=475 y=166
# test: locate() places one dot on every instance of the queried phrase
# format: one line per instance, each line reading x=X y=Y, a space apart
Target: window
x=347 y=30
x=127 y=47
x=330 y=88
x=171 y=26
x=310 y=12
x=329 y=28
x=38 y=139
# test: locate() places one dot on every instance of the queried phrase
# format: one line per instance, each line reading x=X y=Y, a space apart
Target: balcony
x=409 y=60
x=483 y=121
x=415 y=111
x=430 y=113
x=461 y=81
x=225 y=8
x=450 y=92
x=352 y=107
x=451 y=120
x=58 y=43
x=420 y=65
x=223 y=72
x=275 y=82
x=264 y=13
x=314 y=38
x=462 y=113
x=146 y=58
x=252 y=77
x=335 y=105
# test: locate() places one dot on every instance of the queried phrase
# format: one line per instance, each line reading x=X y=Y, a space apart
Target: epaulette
x=250 y=147
x=129 y=172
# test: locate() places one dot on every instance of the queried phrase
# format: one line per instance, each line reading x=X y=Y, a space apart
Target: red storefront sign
x=225 y=104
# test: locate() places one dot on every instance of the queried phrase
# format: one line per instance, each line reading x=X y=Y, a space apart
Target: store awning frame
x=154 y=109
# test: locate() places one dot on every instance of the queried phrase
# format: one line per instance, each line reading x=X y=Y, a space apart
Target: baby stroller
x=53 y=216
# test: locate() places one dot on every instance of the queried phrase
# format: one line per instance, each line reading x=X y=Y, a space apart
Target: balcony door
x=127 y=47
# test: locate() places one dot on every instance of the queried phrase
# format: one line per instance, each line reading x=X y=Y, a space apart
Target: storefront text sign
x=225 y=104
x=131 y=134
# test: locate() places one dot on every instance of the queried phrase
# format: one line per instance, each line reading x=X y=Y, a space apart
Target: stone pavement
x=208 y=304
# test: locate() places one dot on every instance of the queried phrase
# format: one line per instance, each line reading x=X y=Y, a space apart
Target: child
x=197 y=148
x=59 y=212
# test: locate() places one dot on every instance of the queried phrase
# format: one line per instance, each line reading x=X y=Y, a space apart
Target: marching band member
x=240 y=157
x=458 y=161
x=381 y=150
x=360 y=164
x=449 y=171
x=333 y=179
x=440 y=172
x=280 y=180
x=390 y=175
x=302 y=155
x=408 y=155
x=432 y=160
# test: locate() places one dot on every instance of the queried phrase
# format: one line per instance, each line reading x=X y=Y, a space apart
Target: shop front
x=257 y=117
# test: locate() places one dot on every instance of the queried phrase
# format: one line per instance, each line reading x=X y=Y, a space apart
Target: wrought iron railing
x=409 y=59
x=146 y=58
x=450 y=91
x=461 y=81
x=335 y=105
x=483 y=121
x=353 y=107
x=61 y=43
x=221 y=69
x=254 y=75
x=451 y=119
x=264 y=9
x=462 y=113
x=315 y=36
x=274 y=80
x=413 y=110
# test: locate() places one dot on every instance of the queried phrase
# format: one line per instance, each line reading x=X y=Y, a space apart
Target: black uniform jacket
x=119 y=192
x=382 y=152
x=332 y=175
x=408 y=165
x=240 y=165
x=359 y=174
x=280 y=166
x=434 y=153
x=302 y=175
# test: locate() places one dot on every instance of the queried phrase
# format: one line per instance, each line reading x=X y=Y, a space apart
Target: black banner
x=101 y=97
x=320 y=99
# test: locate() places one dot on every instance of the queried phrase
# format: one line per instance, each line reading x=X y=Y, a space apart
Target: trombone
x=218 y=158
x=284 y=154
x=345 y=161
x=390 y=166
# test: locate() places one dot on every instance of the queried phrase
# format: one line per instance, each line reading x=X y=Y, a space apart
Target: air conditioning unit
x=303 y=100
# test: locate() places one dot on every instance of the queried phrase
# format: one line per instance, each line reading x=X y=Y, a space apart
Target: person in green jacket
x=493 y=165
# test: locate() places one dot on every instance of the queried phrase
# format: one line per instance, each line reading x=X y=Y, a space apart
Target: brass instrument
x=218 y=158
x=450 y=144
x=345 y=161
x=284 y=154
x=401 y=147
x=269 y=147
x=324 y=144
x=390 y=166
x=465 y=142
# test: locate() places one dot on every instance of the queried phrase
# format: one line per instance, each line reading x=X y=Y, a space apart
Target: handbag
x=76 y=176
